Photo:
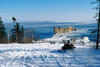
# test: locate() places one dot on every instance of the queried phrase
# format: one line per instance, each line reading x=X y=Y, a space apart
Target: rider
x=68 y=45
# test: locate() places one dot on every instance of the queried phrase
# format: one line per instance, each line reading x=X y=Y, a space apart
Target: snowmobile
x=68 y=47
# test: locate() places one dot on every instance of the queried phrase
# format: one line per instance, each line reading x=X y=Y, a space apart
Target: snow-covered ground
x=27 y=55
x=47 y=55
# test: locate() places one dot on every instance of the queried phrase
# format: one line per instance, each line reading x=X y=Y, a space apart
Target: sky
x=47 y=10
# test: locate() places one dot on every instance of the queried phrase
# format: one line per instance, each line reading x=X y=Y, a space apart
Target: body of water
x=44 y=30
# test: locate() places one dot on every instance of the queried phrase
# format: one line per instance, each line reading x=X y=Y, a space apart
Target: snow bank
x=86 y=40
x=72 y=36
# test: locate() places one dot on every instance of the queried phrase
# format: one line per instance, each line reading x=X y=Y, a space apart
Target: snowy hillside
x=47 y=55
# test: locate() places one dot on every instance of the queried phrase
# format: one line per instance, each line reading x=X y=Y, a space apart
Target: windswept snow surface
x=47 y=55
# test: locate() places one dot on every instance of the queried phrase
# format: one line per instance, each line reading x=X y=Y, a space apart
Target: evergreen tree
x=22 y=34
x=18 y=33
x=3 y=35
x=14 y=20
x=13 y=34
